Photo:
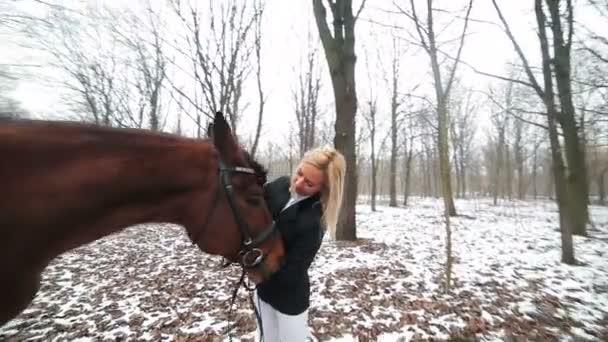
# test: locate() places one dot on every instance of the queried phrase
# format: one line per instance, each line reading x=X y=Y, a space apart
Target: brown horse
x=63 y=185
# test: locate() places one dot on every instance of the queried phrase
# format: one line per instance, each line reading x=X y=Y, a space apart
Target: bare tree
x=536 y=162
x=519 y=150
x=409 y=154
x=557 y=72
x=339 y=50
x=259 y=11
x=500 y=121
x=306 y=99
x=111 y=63
x=90 y=68
x=598 y=164
x=554 y=115
x=221 y=42
x=427 y=37
x=595 y=44
x=428 y=41
x=396 y=102
x=574 y=147
x=462 y=131
x=143 y=36
x=370 y=117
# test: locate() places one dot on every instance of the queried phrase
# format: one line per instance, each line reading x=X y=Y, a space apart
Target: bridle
x=250 y=256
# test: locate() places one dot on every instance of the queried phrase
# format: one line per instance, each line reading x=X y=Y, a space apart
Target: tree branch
x=539 y=90
x=457 y=60
x=359 y=11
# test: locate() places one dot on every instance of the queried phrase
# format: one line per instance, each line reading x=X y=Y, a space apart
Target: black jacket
x=288 y=290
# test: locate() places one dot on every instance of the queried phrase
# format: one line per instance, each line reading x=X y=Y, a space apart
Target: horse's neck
x=158 y=185
x=81 y=188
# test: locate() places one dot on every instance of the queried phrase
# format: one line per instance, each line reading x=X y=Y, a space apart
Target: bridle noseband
x=250 y=256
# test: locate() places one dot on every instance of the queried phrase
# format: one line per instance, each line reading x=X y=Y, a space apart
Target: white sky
x=285 y=31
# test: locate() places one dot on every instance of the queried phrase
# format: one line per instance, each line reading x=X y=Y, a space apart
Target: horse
x=66 y=184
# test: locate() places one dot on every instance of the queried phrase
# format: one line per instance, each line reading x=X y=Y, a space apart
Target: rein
x=250 y=289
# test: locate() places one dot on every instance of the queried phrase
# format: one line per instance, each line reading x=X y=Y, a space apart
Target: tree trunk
x=428 y=173
x=575 y=154
x=509 y=173
x=259 y=11
x=601 y=187
x=519 y=159
x=393 y=166
x=559 y=171
x=444 y=156
x=521 y=188
x=374 y=161
x=535 y=172
x=436 y=176
x=373 y=180
x=407 y=169
x=455 y=150
x=463 y=174
x=393 y=161
x=341 y=59
x=498 y=164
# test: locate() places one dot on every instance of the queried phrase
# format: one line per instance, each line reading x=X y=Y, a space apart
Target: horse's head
x=240 y=226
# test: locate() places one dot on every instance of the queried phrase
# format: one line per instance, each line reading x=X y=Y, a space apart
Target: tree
x=259 y=12
x=341 y=58
x=111 y=63
x=370 y=117
x=536 y=162
x=563 y=189
x=426 y=34
x=462 y=131
x=408 y=154
x=500 y=121
x=221 y=43
x=427 y=38
x=575 y=150
x=89 y=68
x=306 y=100
x=520 y=141
x=144 y=38
x=396 y=102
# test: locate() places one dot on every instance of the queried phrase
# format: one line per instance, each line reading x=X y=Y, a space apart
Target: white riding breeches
x=279 y=327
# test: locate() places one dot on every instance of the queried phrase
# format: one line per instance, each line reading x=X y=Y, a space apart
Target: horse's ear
x=223 y=139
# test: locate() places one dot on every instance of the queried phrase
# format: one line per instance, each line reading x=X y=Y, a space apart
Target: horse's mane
x=260 y=171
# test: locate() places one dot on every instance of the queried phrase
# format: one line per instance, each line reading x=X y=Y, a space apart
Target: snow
x=149 y=283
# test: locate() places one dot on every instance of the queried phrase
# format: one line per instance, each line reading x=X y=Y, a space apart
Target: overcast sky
x=284 y=33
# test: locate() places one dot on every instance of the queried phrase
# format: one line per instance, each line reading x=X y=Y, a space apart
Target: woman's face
x=308 y=180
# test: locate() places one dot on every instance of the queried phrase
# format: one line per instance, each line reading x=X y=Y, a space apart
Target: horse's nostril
x=252 y=257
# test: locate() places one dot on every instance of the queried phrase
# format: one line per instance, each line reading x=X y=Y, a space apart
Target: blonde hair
x=333 y=165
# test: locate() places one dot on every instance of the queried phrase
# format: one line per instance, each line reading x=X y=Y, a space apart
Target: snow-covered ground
x=149 y=283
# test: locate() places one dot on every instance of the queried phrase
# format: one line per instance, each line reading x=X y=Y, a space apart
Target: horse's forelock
x=260 y=170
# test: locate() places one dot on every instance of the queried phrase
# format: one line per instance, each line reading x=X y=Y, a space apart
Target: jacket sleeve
x=300 y=254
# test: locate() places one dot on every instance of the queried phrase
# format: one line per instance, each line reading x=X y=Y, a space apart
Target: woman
x=303 y=209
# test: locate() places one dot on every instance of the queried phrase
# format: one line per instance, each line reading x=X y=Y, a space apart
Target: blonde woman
x=303 y=208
